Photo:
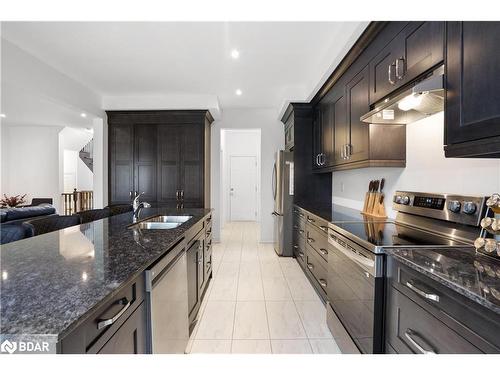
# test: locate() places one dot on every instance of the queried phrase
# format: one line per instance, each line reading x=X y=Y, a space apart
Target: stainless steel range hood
x=423 y=99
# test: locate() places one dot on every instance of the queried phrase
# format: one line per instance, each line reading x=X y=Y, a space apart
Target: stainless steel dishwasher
x=167 y=301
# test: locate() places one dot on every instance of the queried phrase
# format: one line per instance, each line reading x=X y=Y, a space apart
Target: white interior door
x=243 y=188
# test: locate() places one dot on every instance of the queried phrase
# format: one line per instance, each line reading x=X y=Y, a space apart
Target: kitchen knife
x=382 y=183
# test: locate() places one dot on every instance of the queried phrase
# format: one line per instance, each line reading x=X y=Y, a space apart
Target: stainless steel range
x=357 y=261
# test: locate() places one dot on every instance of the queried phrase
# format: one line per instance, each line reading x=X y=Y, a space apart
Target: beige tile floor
x=258 y=302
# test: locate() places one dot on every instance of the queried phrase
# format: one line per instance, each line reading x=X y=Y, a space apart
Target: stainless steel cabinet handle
x=417 y=346
x=295 y=246
x=301 y=231
x=400 y=68
x=310 y=220
x=323 y=251
x=182 y=194
x=317 y=159
x=301 y=254
x=310 y=240
x=322 y=159
x=310 y=266
x=323 y=283
x=342 y=153
x=107 y=322
x=323 y=228
x=389 y=72
x=348 y=148
x=430 y=296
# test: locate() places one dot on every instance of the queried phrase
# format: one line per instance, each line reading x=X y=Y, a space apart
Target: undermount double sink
x=162 y=222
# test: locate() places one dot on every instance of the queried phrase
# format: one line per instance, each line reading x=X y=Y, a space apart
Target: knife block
x=373 y=207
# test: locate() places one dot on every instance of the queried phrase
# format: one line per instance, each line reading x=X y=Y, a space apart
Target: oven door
x=352 y=286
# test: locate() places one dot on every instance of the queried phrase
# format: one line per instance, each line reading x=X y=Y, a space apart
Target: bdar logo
x=9 y=347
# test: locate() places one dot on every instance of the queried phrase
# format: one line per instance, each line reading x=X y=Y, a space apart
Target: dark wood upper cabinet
x=121 y=165
x=358 y=101
x=317 y=144
x=472 y=108
x=341 y=124
x=416 y=49
x=162 y=153
x=145 y=161
x=169 y=164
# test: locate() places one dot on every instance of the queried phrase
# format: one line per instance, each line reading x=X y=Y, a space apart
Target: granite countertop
x=475 y=276
x=52 y=282
x=332 y=212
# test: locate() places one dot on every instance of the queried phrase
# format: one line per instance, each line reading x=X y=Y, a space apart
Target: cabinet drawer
x=468 y=319
x=100 y=326
x=299 y=227
x=411 y=329
x=130 y=337
x=316 y=265
x=299 y=245
x=319 y=223
x=318 y=240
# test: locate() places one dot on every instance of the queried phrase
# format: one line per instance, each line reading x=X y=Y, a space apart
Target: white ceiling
x=278 y=61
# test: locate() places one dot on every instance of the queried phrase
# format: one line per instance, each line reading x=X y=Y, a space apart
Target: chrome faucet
x=136 y=206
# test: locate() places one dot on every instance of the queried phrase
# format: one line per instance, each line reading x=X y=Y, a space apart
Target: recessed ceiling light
x=239 y=92
x=84 y=115
x=235 y=53
x=2 y=115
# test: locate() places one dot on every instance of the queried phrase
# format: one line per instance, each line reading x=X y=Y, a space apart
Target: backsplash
x=427 y=170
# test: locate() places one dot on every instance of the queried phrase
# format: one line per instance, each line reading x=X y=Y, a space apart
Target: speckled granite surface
x=473 y=275
x=332 y=212
x=52 y=282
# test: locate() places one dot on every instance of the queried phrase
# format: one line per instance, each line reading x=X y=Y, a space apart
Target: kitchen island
x=55 y=283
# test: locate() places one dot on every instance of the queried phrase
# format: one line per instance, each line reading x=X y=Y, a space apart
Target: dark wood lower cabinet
x=130 y=337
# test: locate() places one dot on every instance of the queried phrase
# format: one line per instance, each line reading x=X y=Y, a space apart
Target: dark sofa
x=12 y=227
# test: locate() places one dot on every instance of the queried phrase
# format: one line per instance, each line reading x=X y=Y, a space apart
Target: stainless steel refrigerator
x=283 y=201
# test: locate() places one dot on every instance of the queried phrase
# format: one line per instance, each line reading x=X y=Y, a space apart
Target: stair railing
x=77 y=201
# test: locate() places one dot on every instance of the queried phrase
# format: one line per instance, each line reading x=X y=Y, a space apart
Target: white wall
x=30 y=161
x=238 y=143
x=35 y=94
x=272 y=139
x=427 y=170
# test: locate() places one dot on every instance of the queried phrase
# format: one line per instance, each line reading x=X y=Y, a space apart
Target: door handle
x=309 y=220
x=310 y=266
x=323 y=283
x=101 y=323
x=400 y=63
x=317 y=159
x=310 y=240
x=182 y=194
x=323 y=228
x=322 y=159
x=323 y=251
x=389 y=72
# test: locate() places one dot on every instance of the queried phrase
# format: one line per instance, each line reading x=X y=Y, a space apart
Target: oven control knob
x=454 y=206
x=405 y=200
x=469 y=208
x=397 y=199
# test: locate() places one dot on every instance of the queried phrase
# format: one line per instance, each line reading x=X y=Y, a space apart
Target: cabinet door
x=130 y=337
x=192 y=161
x=145 y=139
x=472 y=81
x=423 y=48
x=317 y=138
x=383 y=70
x=358 y=103
x=328 y=135
x=192 y=274
x=341 y=126
x=416 y=49
x=169 y=165
x=121 y=152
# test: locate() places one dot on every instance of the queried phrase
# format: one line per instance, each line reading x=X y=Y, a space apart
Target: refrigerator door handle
x=274 y=181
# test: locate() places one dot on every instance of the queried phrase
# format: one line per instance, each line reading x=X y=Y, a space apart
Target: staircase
x=87 y=154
